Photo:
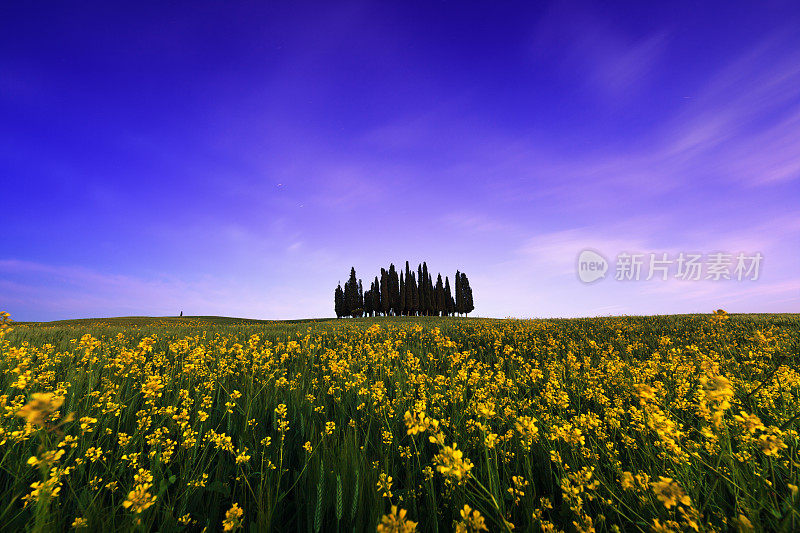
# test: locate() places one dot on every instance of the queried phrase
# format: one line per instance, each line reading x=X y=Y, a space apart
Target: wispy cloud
x=474 y=222
x=581 y=40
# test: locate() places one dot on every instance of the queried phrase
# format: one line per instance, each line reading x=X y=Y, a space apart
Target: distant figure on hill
x=181 y=313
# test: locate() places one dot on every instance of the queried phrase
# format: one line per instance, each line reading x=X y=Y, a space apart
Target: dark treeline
x=409 y=294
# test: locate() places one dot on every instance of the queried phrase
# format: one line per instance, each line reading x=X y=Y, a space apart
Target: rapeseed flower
x=396 y=522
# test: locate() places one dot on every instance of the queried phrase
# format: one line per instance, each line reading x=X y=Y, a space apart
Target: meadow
x=397 y=424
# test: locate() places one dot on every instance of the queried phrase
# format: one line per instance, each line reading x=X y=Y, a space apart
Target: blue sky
x=237 y=158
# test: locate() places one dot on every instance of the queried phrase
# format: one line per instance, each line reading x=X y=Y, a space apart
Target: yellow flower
x=627 y=481
x=658 y=527
x=308 y=446
x=283 y=424
x=5 y=324
x=646 y=393
x=471 y=521
x=485 y=409
x=771 y=445
x=717 y=388
x=451 y=463
x=750 y=423
x=526 y=427
x=396 y=522
x=416 y=423
x=40 y=407
x=143 y=477
x=241 y=456
x=48 y=458
x=152 y=387
x=330 y=427
x=44 y=490
x=743 y=524
x=79 y=523
x=385 y=485
x=670 y=492
x=233 y=518
x=139 y=499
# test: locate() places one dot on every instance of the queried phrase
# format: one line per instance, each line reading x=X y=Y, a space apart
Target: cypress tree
x=409 y=298
x=430 y=297
x=360 y=308
x=420 y=291
x=368 y=303
x=459 y=294
x=338 y=301
x=376 y=296
x=414 y=296
x=402 y=295
x=385 y=301
x=351 y=294
x=469 y=306
x=347 y=299
x=449 y=306
x=394 y=291
x=425 y=302
x=438 y=297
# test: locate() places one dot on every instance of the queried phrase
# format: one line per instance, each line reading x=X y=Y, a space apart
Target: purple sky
x=235 y=158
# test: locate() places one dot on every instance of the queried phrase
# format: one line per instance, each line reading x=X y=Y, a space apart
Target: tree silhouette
x=468 y=304
x=410 y=294
x=402 y=295
x=385 y=299
x=360 y=304
x=459 y=294
x=450 y=305
x=376 y=296
x=408 y=297
x=394 y=291
x=414 y=296
x=338 y=301
x=438 y=297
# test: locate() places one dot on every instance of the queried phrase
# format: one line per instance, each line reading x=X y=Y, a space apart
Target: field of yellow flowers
x=673 y=423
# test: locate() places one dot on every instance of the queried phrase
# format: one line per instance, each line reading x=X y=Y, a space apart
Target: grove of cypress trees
x=410 y=294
